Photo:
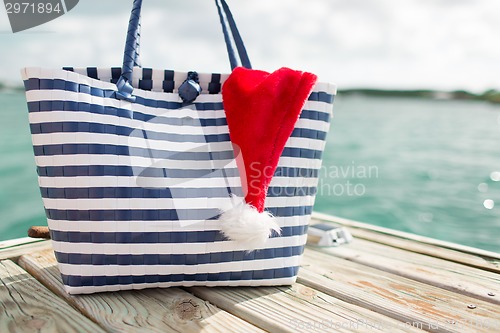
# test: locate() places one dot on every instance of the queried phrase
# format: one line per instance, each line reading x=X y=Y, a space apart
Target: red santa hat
x=261 y=111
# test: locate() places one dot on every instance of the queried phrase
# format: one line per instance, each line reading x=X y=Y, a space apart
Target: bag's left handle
x=131 y=54
x=131 y=59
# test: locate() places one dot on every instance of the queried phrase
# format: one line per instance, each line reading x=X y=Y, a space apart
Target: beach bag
x=134 y=165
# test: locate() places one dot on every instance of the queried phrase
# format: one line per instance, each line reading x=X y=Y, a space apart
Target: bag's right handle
x=232 y=38
x=226 y=18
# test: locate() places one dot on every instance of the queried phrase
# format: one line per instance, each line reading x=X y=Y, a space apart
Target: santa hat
x=261 y=111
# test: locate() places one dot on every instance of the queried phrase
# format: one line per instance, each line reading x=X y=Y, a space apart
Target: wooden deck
x=384 y=281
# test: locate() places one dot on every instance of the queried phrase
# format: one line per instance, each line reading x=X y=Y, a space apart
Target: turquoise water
x=422 y=166
x=20 y=201
x=431 y=163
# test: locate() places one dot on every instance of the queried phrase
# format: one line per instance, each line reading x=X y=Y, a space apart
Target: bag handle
x=131 y=56
x=226 y=18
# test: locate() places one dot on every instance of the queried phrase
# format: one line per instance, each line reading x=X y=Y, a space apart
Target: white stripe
x=133 y=161
x=111 y=181
x=157 y=75
x=72 y=96
x=65 y=116
x=162 y=113
x=145 y=162
x=171 y=248
x=132 y=141
x=236 y=266
x=158 y=226
x=310 y=124
x=299 y=162
x=297 y=142
x=147 y=182
x=318 y=106
x=104 y=74
x=113 y=139
x=175 y=203
x=233 y=283
x=136 y=203
x=157 y=84
x=187 y=111
x=329 y=88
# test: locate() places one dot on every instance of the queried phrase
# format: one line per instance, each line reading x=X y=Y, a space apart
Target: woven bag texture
x=132 y=191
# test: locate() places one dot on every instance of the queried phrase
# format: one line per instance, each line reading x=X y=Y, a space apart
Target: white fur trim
x=244 y=224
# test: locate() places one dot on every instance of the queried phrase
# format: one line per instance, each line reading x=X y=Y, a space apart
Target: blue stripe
x=58 y=84
x=104 y=149
x=176 y=259
x=129 y=171
x=321 y=96
x=315 y=115
x=159 y=214
x=107 y=149
x=92 y=72
x=309 y=134
x=156 y=237
x=302 y=153
x=296 y=172
x=86 y=127
x=47 y=106
x=82 y=281
x=139 y=192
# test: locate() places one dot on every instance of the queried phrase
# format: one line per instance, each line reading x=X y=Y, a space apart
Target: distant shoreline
x=5 y=87
x=492 y=96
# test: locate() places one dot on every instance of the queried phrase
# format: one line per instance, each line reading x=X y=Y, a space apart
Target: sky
x=404 y=44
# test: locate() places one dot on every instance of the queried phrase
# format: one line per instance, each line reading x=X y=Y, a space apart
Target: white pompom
x=246 y=225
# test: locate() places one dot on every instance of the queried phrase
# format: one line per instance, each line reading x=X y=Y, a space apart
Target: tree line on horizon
x=490 y=95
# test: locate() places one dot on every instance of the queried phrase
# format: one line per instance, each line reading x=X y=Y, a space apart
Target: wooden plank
x=434 y=271
x=427 y=307
x=297 y=308
x=149 y=310
x=17 y=241
x=401 y=234
x=430 y=250
x=440 y=249
x=27 y=306
x=12 y=249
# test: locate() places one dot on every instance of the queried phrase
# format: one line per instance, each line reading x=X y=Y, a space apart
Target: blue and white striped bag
x=132 y=189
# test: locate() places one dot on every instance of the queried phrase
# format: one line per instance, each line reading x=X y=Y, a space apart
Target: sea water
x=429 y=167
